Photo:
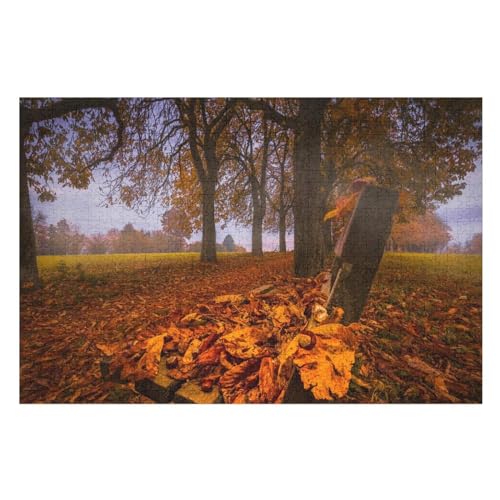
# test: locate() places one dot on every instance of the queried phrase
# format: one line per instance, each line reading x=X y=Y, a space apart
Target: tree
x=280 y=189
x=308 y=208
x=96 y=244
x=172 y=154
x=204 y=121
x=228 y=244
x=58 y=141
x=475 y=244
x=422 y=233
x=249 y=140
x=423 y=146
x=177 y=222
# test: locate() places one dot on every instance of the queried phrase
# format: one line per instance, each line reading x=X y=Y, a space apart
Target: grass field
x=424 y=267
x=429 y=267
x=98 y=266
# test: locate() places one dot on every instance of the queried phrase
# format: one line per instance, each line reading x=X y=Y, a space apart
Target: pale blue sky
x=463 y=214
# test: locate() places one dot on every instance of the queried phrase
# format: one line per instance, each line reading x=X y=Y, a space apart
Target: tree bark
x=308 y=234
x=282 y=232
x=208 y=241
x=29 y=269
x=257 y=219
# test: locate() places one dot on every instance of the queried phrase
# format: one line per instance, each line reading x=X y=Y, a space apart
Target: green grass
x=432 y=268
x=425 y=268
x=95 y=266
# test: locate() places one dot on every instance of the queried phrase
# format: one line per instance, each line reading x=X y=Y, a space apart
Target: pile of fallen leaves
x=249 y=345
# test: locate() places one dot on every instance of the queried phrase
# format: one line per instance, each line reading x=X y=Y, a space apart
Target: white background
x=261 y=48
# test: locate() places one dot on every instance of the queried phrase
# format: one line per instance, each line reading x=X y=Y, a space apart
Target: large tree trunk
x=308 y=234
x=282 y=232
x=208 y=248
x=257 y=220
x=29 y=269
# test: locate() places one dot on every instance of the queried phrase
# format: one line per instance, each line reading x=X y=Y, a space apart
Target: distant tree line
x=65 y=238
x=419 y=233
x=472 y=246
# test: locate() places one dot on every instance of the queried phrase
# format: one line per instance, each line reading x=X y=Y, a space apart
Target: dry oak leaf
x=326 y=368
x=245 y=342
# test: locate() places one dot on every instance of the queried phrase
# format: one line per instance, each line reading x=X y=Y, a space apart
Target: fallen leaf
x=268 y=386
x=326 y=369
x=191 y=352
x=233 y=299
x=210 y=356
x=246 y=342
x=150 y=360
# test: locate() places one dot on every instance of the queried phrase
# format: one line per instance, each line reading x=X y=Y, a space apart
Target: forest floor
x=423 y=318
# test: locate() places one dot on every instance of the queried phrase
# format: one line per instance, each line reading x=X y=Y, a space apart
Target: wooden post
x=360 y=249
x=357 y=257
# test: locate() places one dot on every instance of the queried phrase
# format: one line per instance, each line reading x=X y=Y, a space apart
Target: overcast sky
x=463 y=214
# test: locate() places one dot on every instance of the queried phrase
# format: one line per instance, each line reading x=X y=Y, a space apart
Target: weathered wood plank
x=360 y=250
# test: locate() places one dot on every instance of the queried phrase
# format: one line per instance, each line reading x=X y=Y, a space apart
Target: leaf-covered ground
x=422 y=342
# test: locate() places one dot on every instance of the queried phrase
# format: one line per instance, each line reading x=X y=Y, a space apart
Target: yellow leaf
x=283 y=315
x=233 y=299
x=191 y=351
x=328 y=329
x=326 y=369
x=150 y=360
x=285 y=360
x=280 y=315
x=330 y=215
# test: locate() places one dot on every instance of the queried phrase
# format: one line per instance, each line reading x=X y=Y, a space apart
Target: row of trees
x=421 y=233
x=472 y=246
x=64 y=238
x=265 y=162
